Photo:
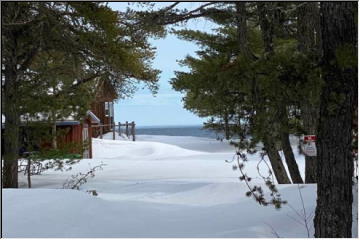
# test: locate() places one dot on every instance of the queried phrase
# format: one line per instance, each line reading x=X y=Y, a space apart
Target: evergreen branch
x=169 y=7
x=29 y=59
x=84 y=80
x=200 y=8
x=173 y=18
x=77 y=84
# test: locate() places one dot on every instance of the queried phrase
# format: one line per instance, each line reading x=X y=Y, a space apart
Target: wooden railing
x=129 y=129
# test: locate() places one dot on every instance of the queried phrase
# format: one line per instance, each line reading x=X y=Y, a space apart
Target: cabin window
x=109 y=109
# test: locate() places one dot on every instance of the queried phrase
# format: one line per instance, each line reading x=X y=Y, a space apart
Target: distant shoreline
x=176 y=130
x=171 y=126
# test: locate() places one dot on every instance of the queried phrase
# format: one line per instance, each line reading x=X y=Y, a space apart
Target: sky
x=166 y=108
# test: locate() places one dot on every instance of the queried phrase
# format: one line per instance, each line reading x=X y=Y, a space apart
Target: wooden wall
x=90 y=134
x=98 y=108
x=74 y=135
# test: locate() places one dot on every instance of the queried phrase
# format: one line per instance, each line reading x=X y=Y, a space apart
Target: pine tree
x=240 y=85
x=98 y=42
x=309 y=42
x=333 y=217
x=324 y=66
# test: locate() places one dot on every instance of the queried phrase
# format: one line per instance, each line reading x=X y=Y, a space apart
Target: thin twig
x=303 y=218
x=273 y=230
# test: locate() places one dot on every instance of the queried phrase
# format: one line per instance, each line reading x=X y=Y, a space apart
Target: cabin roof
x=67 y=123
x=63 y=122
x=93 y=117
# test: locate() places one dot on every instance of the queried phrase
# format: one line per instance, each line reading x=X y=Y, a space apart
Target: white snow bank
x=155 y=187
x=71 y=213
x=188 y=142
x=129 y=149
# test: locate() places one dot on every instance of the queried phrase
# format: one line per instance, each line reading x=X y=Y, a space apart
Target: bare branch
x=18 y=23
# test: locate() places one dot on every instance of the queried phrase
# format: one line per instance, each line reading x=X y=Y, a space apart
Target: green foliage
x=55 y=53
x=346 y=56
x=81 y=42
x=61 y=153
x=37 y=138
x=249 y=95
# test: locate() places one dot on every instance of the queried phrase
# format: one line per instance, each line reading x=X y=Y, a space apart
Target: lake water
x=195 y=131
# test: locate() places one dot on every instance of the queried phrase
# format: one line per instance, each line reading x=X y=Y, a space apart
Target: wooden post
x=101 y=132
x=90 y=129
x=29 y=172
x=133 y=130
x=113 y=124
x=127 y=128
x=119 y=128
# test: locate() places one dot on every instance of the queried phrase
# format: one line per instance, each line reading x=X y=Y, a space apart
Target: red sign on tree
x=309 y=138
x=309 y=146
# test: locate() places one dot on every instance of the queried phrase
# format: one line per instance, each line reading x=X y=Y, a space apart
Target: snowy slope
x=158 y=186
x=71 y=213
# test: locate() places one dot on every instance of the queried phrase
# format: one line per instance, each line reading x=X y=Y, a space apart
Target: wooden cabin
x=103 y=106
x=78 y=132
x=101 y=113
x=74 y=131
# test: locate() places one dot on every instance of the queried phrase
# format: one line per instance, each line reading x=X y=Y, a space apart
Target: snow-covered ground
x=158 y=186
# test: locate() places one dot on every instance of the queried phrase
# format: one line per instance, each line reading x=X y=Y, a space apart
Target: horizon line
x=172 y=125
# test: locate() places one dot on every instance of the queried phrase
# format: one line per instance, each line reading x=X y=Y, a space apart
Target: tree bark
x=286 y=147
x=226 y=126
x=11 y=133
x=265 y=12
x=290 y=158
x=308 y=27
x=309 y=38
x=17 y=56
x=29 y=172
x=310 y=117
x=241 y=26
x=333 y=215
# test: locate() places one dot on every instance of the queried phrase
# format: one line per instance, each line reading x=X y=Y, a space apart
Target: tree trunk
x=11 y=132
x=265 y=13
x=276 y=162
x=333 y=215
x=226 y=126
x=310 y=117
x=308 y=27
x=286 y=147
x=53 y=135
x=309 y=38
x=310 y=169
x=267 y=30
x=290 y=158
x=15 y=60
x=28 y=167
x=241 y=25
